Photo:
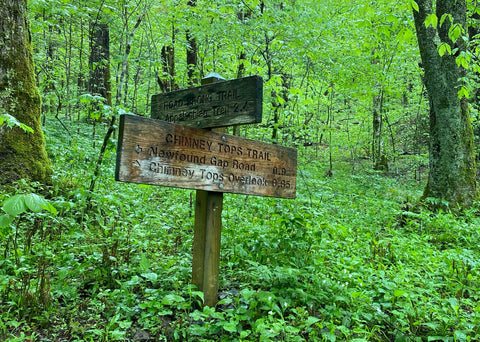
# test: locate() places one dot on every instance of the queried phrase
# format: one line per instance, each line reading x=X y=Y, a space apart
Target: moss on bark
x=22 y=155
x=452 y=176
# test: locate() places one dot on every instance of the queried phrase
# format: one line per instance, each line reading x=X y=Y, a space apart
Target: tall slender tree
x=22 y=155
x=452 y=176
x=99 y=61
x=192 y=50
x=168 y=64
x=128 y=48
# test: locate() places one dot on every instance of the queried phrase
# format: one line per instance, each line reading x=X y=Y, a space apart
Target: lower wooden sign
x=161 y=153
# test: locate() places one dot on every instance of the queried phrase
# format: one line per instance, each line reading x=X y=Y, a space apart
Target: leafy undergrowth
x=346 y=261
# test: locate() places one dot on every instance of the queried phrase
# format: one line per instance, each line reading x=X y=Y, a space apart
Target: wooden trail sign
x=163 y=153
x=220 y=104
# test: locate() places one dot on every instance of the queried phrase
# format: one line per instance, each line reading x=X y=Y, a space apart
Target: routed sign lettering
x=228 y=103
x=162 y=153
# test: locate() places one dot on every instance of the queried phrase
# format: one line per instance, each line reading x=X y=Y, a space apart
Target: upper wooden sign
x=162 y=153
x=220 y=104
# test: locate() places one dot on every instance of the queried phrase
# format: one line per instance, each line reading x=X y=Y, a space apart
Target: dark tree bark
x=242 y=16
x=80 y=75
x=167 y=81
x=380 y=162
x=99 y=61
x=50 y=49
x=278 y=105
x=192 y=60
x=192 y=51
x=22 y=155
x=452 y=176
x=168 y=61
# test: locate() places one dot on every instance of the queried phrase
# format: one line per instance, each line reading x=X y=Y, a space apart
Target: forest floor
x=348 y=260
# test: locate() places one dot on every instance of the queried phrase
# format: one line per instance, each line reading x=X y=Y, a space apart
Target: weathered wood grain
x=207 y=234
x=162 y=153
x=219 y=104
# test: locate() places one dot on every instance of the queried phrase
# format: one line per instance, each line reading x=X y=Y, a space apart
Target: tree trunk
x=452 y=178
x=192 y=50
x=168 y=61
x=81 y=86
x=48 y=68
x=22 y=155
x=191 y=58
x=380 y=162
x=167 y=81
x=128 y=48
x=99 y=61
x=280 y=105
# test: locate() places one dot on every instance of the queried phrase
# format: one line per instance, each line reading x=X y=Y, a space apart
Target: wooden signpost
x=164 y=153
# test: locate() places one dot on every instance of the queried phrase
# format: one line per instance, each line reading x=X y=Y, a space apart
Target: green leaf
x=35 y=202
x=124 y=324
x=356 y=294
x=462 y=61
x=414 y=5
x=150 y=276
x=431 y=19
x=19 y=203
x=200 y=295
x=405 y=35
x=463 y=92
x=230 y=326
x=460 y=335
x=432 y=325
x=11 y=122
x=5 y=220
x=15 y=205
x=445 y=16
x=444 y=48
x=5 y=119
x=455 y=32
x=144 y=262
x=49 y=207
x=171 y=299
x=312 y=320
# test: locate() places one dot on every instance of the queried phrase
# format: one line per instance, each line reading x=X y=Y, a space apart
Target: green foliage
x=10 y=122
x=348 y=260
x=301 y=50
x=351 y=259
x=19 y=203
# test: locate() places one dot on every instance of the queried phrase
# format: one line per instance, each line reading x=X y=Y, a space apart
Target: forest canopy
x=326 y=67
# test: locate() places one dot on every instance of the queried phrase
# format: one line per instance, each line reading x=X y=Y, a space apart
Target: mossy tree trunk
x=22 y=155
x=452 y=161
